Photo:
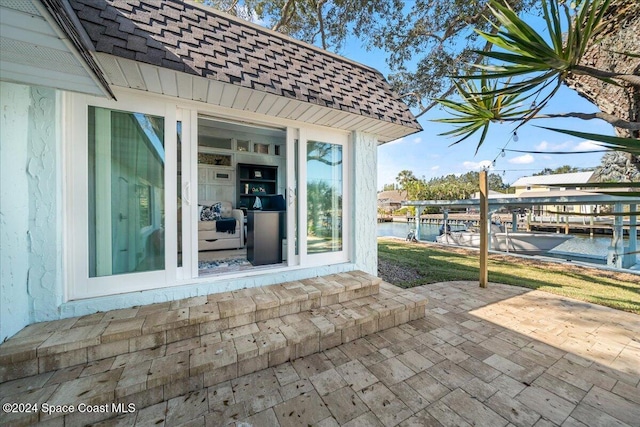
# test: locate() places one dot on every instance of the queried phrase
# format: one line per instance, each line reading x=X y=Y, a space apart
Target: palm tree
x=529 y=67
x=619 y=167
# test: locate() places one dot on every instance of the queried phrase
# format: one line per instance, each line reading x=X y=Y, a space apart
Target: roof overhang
x=35 y=51
x=126 y=73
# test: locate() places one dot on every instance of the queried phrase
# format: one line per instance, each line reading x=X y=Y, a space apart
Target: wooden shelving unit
x=256 y=181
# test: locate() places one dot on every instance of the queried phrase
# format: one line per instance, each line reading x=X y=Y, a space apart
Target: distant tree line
x=449 y=187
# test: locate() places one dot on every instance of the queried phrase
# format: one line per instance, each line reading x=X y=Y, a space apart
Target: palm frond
x=628 y=145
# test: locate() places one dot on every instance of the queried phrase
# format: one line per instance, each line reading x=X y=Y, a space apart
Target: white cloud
x=417 y=140
x=568 y=146
x=522 y=160
x=543 y=146
x=478 y=165
x=435 y=168
x=587 y=146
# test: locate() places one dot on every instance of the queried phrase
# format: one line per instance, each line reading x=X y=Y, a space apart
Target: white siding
x=14 y=206
x=364 y=202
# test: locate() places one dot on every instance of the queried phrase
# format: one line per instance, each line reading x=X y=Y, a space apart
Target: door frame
x=337 y=138
x=79 y=284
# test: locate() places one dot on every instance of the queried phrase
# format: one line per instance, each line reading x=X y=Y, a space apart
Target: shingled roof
x=203 y=42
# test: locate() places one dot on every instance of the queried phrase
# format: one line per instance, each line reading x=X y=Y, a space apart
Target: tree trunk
x=622 y=27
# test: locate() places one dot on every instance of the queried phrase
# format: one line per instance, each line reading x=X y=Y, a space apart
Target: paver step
x=193 y=358
x=48 y=346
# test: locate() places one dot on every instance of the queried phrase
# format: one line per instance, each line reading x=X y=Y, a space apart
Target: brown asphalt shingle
x=203 y=42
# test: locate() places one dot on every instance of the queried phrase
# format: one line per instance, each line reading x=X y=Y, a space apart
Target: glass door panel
x=126 y=192
x=324 y=197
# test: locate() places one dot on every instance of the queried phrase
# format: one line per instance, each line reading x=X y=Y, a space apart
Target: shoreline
x=635 y=270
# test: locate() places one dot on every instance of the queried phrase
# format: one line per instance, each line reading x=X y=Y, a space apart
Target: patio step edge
x=147 y=376
x=68 y=342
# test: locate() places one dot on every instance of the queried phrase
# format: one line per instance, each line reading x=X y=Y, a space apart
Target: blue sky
x=429 y=155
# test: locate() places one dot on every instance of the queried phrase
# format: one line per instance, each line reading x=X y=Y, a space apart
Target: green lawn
x=425 y=264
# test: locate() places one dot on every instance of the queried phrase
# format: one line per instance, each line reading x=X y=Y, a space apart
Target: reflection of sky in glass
x=147 y=127
x=318 y=170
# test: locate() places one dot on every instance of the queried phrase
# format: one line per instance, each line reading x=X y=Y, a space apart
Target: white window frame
x=75 y=192
x=79 y=284
x=332 y=137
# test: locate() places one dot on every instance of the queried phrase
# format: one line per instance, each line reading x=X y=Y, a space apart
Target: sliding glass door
x=126 y=192
x=325 y=197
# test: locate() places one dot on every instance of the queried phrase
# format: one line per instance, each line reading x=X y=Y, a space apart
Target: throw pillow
x=211 y=213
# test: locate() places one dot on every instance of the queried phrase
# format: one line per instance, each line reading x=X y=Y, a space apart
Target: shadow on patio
x=479 y=357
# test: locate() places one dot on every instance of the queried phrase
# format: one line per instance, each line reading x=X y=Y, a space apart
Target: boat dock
x=562 y=224
x=621 y=220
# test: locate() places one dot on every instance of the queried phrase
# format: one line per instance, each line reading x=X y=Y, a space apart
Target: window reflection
x=126 y=192
x=324 y=197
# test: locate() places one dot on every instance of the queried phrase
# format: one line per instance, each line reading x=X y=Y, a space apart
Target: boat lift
x=619 y=255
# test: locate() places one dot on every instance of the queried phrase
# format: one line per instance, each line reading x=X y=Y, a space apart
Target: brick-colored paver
x=485 y=357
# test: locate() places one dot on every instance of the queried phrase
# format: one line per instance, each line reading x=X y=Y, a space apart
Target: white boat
x=519 y=242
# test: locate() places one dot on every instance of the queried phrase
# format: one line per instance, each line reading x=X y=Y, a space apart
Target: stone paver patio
x=488 y=357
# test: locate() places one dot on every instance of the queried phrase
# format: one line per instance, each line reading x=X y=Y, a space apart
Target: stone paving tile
x=628 y=392
x=472 y=410
x=512 y=410
x=337 y=356
x=508 y=385
x=479 y=389
x=91 y=390
x=152 y=415
x=264 y=418
x=389 y=409
x=312 y=365
x=296 y=388
x=253 y=385
x=450 y=374
x=549 y=405
x=344 y=404
x=446 y=416
x=593 y=417
x=564 y=389
x=613 y=405
x=391 y=371
x=421 y=419
x=368 y=419
x=306 y=409
x=479 y=369
x=286 y=373
x=409 y=396
x=327 y=382
x=427 y=387
x=415 y=361
x=499 y=356
x=356 y=375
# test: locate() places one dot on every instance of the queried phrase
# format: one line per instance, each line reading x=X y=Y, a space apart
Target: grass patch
x=412 y=264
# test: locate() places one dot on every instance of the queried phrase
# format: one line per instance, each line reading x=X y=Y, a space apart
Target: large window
x=126 y=192
x=324 y=197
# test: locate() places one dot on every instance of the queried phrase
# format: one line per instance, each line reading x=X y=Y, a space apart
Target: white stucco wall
x=30 y=220
x=45 y=219
x=14 y=205
x=364 y=200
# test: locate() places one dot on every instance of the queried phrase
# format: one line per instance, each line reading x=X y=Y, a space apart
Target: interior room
x=241 y=196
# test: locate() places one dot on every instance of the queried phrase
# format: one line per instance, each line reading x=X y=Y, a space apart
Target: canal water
x=580 y=245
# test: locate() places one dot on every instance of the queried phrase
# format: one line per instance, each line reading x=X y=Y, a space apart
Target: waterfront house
x=153 y=151
x=391 y=200
x=556 y=185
